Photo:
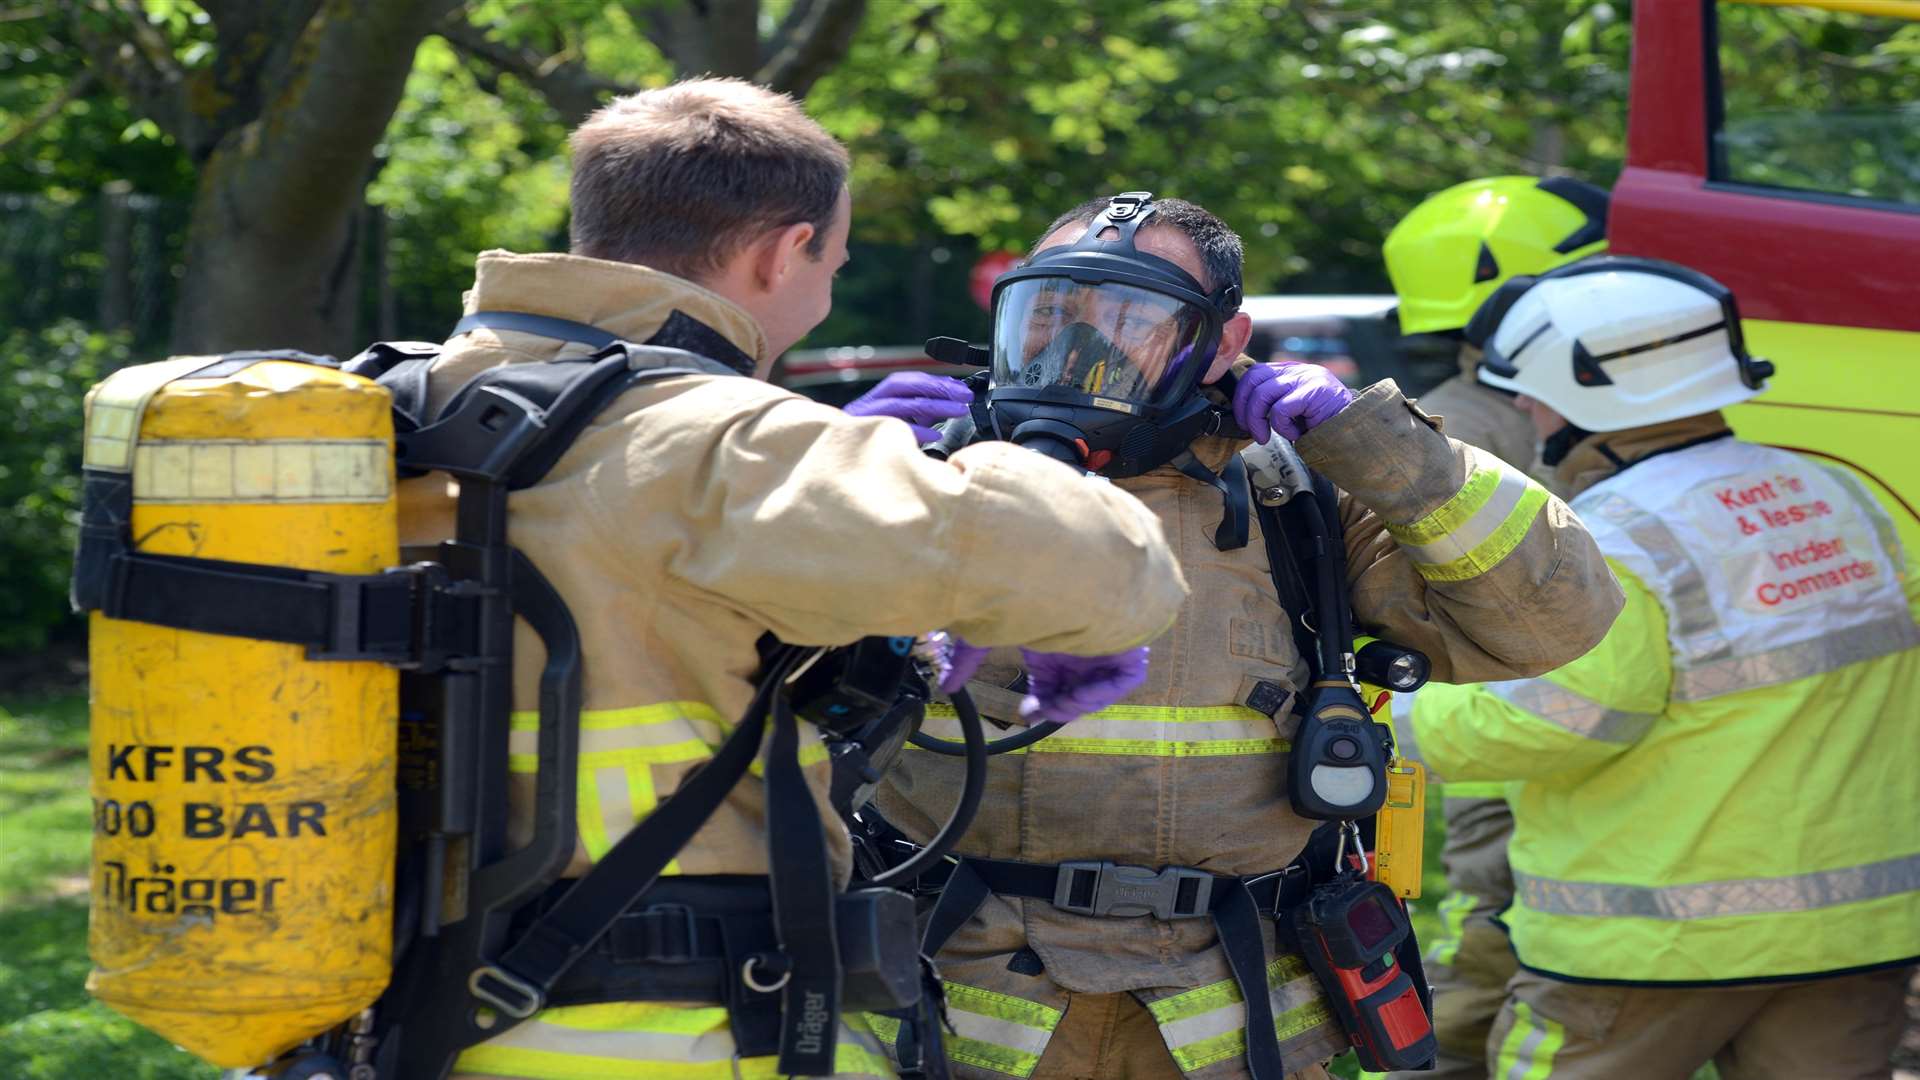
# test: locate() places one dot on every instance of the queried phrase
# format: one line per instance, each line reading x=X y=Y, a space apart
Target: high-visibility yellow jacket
x=1724 y=789
x=698 y=512
x=1449 y=550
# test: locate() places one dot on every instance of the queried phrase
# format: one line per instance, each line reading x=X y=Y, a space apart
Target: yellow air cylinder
x=243 y=795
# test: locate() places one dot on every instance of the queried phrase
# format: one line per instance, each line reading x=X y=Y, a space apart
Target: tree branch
x=704 y=37
x=319 y=126
x=126 y=51
x=810 y=47
x=568 y=86
x=783 y=36
x=80 y=85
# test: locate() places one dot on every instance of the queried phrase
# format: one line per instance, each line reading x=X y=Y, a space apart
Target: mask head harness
x=1099 y=349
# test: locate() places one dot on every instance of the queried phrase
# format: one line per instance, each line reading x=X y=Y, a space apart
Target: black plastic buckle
x=660 y=934
x=1124 y=206
x=488 y=433
x=1105 y=888
x=348 y=627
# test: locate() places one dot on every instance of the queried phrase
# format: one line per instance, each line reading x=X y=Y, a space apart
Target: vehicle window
x=1818 y=98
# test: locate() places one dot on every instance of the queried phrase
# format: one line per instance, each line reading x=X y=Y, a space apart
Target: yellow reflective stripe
x=997 y=1031
x=851 y=1061
x=1453 y=923
x=1146 y=731
x=1226 y=992
x=1208 y=1024
x=262 y=471
x=885 y=1028
x=670 y=724
x=1472 y=497
x=619 y=750
x=1496 y=547
x=1475 y=529
x=635 y=1016
x=612 y=1039
x=670 y=733
x=1528 y=1050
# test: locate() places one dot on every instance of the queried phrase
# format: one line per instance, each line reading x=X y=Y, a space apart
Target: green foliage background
x=44 y=375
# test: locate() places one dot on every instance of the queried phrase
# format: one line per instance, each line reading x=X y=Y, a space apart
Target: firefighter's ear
x=778 y=253
x=1233 y=341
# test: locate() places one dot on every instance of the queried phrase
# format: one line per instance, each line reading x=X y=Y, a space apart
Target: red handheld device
x=1348 y=931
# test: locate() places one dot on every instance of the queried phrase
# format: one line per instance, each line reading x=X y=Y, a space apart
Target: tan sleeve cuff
x=1386 y=452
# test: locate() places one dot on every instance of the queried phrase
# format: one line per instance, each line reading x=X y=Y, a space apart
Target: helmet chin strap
x=1555 y=447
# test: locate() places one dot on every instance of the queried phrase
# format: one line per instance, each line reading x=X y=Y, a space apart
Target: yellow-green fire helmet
x=1454 y=249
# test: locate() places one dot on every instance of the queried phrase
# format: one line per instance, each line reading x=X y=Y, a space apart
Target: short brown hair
x=681 y=178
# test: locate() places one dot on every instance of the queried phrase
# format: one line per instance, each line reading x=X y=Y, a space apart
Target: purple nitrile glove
x=954 y=660
x=1062 y=687
x=1288 y=399
x=916 y=397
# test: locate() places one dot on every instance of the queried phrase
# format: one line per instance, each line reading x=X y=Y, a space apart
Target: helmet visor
x=1109 y=340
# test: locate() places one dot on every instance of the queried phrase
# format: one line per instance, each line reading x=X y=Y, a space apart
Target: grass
x=49 y=1028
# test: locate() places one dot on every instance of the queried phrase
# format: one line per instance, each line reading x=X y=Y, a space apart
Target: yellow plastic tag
x=1400 y=832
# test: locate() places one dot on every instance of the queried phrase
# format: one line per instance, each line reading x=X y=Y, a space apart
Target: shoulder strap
x=514 y=421
x=1280 y=532
x=401 y=367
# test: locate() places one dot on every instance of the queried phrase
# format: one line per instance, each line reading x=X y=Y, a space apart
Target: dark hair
x=1221 y=252
x=681 y=178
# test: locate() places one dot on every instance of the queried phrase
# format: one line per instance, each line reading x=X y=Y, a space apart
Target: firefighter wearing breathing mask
x=1104 y=345
x=1715 y=855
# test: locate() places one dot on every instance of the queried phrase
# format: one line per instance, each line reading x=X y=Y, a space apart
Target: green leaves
x=43 y=378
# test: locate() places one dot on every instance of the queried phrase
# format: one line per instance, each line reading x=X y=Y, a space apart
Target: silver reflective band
x=1569 y=711
x=1695 y=621
x=1800 y=660
x=1876 y=513
x=1715 y=899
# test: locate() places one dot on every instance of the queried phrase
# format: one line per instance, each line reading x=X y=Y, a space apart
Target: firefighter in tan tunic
x=1449 y=550
x=699 y=512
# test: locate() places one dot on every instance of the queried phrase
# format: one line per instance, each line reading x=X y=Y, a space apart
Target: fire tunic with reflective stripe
x=1724 y=789
x=1186 y=773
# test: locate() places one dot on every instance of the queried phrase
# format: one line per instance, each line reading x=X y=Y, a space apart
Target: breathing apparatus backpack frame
x=499 y=923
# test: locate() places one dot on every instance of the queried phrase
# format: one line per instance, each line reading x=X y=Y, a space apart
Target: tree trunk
x=249 y=284
x=273 y=246
x=116 y=250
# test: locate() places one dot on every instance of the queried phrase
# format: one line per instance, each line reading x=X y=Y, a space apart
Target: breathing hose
x=975 y=750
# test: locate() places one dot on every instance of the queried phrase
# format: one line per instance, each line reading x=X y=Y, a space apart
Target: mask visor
x=1108 y=340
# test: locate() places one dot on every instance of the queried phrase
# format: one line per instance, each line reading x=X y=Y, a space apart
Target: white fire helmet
x=1617 y=342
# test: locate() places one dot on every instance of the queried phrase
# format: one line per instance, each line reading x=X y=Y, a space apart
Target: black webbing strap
x=1289 y=581
x=527 y=323
x=527 y=971
x=336 y=616
x=1236 y=906
x=803 y=891
x=1231 y=483
x=1236 y=919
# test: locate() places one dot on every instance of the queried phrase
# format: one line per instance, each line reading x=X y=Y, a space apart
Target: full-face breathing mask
x=1099 y=349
